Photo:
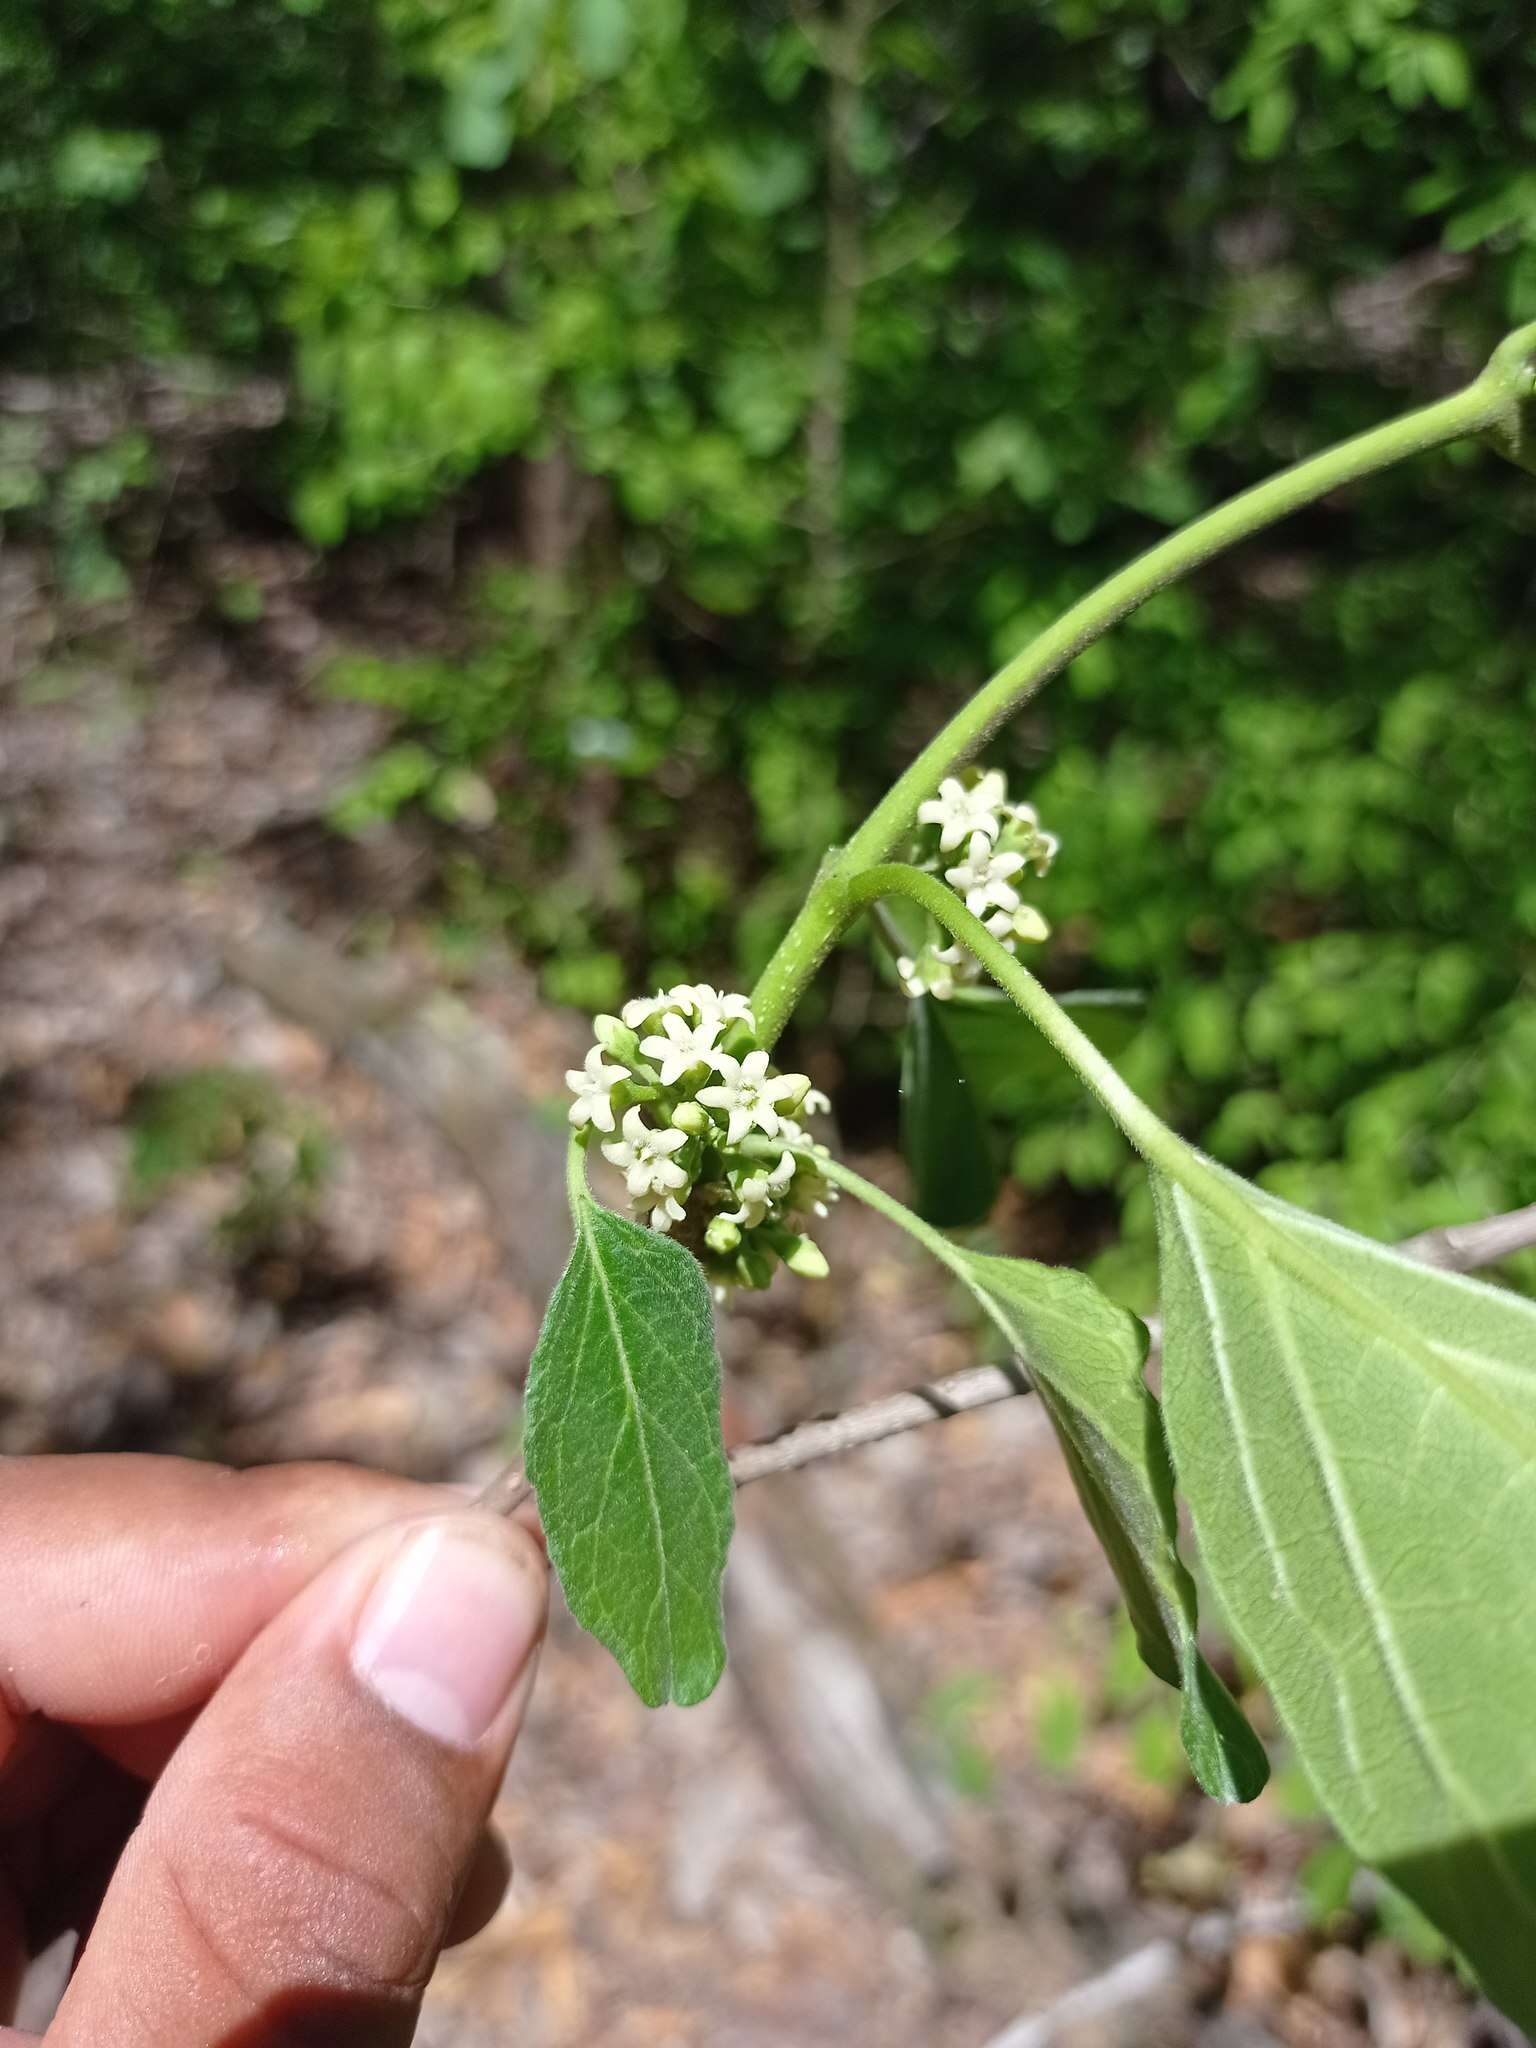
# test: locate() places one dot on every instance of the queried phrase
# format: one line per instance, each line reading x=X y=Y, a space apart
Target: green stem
x=1151 y=1137
x=576 y=1190
x=1491 y=403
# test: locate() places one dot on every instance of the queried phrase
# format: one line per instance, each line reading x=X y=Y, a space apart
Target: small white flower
x=642 y=1008
x=591 y=1085
x=960 y=812
x=698 y=999
x=683 y=1046
x=643 y=1156
x=816 y=1103
x=748 y=1094
x=758 y=1192
x=984 y=877
x=668 y=1210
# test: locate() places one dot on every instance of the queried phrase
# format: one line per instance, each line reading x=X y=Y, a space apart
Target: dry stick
x=1459 y=1248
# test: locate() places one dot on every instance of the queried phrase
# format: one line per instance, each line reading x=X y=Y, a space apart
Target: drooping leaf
x=944 y=1136
x=1014 y=1072
x=1356 y=1436
x=623 y=1447
x=1085 y=1356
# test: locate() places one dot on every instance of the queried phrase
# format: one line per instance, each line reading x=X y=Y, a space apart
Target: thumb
x=299 y=1860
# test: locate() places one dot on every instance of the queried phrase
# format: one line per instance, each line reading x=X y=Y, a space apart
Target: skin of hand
x=251 y=1728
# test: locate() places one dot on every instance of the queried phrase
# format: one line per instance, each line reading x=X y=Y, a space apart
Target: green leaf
x=1085 y=1356
x=602 y=37
x=622 y=1445
x=944 y=1136
x=1014 y=1071
x=1356 y=1435
x=477 y=132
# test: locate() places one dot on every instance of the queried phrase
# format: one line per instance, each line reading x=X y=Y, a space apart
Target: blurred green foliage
x=882 y=336
x=277 y=1155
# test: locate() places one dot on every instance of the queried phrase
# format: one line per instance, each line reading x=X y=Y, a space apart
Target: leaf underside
x=1085 y=1356
x=623 y=1447
x=1356 y=1436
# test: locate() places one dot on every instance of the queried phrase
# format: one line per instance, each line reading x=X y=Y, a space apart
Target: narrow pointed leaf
x=623 y=1447
x=1085 y=1356
x=944 y=1136
x=1356 y=1436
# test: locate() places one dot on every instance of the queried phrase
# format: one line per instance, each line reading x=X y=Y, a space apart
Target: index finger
x=132 y=1584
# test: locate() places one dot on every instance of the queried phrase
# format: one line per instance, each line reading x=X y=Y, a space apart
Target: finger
x=300 y=1860
x=490 y=1872
x=133 y=1584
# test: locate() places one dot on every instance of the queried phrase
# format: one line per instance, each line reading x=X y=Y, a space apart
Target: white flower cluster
x=704 y=1131
x=972 y=817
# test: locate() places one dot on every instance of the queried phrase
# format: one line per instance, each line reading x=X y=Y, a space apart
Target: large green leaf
x=944 y=1135
x=623 y=1447
x=1356 y=1436
x=1085 y=1356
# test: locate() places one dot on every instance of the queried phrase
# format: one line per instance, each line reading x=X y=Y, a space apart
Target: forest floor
x=163 y=784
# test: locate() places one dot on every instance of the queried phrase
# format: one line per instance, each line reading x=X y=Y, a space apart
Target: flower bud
x=790 y=1105
x=722 y=1236
x=806 y=1259
x=692 y=1118
x=616 y=1039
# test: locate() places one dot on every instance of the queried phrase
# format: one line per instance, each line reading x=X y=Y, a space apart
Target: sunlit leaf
x=1085 y=1356
x=622 y=1444
x=1356 y=1436
x=944 y=1136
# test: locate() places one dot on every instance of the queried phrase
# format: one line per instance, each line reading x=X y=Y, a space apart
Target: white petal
x=739 y=1125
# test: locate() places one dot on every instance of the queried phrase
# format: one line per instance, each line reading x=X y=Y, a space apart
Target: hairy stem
x=1492 y=403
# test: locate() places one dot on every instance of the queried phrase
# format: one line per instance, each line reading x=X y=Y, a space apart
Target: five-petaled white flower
x=758 y=1192
x=983 y=877
x=591 y=1088
x=643 y=1156
x=748 y=1094
x=684 y=1045
x=959 y=812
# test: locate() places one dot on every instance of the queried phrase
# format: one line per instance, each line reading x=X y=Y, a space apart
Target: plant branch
x=1491 y=404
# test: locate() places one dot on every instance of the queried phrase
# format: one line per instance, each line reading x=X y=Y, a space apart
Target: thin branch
x=1210 y=1937
x=1464 y=1247
x=831 y=1435
x=1459 y=1248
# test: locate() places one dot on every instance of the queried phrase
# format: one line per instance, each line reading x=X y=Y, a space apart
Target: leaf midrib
x=652 y=1502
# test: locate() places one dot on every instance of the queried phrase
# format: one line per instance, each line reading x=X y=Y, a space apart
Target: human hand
x=251 y=1726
